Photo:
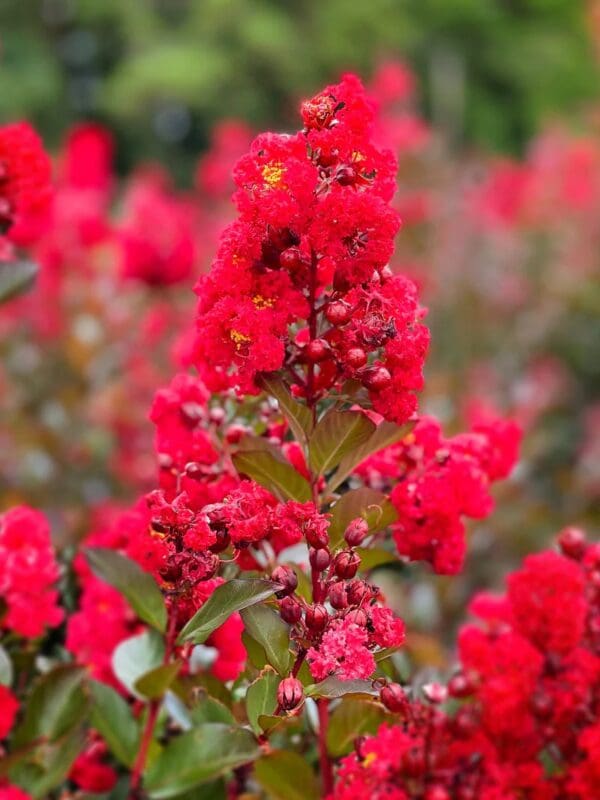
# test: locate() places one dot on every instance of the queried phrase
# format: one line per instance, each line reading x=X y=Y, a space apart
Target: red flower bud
x=356 y=592
x=234 y=433
x=290 y=610
x=435 y=692
x=355 y=357
x=338 y=312
x=316 y=351
x=290 y=693
x=337 y=595
x=292 y=259
x=346 y=564
x=346 y=175
x=316 y=617
x=572 y=542
x=358 y=616
x=376 y=378
x=394 y=698
x=286 y=577
x=319 y=559
x=317 y=538
x=460 y=685
x=356 y=532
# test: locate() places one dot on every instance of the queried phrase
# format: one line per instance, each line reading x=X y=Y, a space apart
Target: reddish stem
x=325 y=763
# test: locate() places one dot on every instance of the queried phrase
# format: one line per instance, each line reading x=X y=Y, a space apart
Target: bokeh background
x=493 y=110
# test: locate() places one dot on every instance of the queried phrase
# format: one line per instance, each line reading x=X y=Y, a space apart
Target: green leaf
x=352 y=718
x=261 y=698
x=224 y=601
x=137 y=586
x=386 y=434
x=211 y=710
x=376 y=557
x=137 y=656
x=250 y=444
x=336 y=435
x=198 y=756
x=6 y=668
x=15 y=278
x=112 y=717
x=298 y=416
x=332 y=688
x=278 y=477
x=56 y=705
x=256 y=653
x=286 y=776
x=155 y=683
x=49 y=765
x=267 y=628
x=371 y=505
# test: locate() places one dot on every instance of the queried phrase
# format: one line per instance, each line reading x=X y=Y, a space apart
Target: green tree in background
x=160 y=72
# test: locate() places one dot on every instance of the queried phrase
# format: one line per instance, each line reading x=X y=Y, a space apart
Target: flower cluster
x=435 y=481
x=526 y=698
x=312 y=243
x=25 y=191
x=29 y=572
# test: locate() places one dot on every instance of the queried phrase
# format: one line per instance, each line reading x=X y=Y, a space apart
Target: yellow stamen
x=369 y=759
x=262 y=302
x=273 y=174
x=239 y=339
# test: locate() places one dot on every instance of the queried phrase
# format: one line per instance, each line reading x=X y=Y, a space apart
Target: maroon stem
x=324 y=762
x=153 y=710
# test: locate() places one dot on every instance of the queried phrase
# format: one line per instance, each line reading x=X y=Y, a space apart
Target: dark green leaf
x=372 y=506
x=336 y=435
x=286 y=776
x=129 y=578
x=112 y=717
x=261 y=698
x=334 y=687
x=156 y=682
x=268 y=629
x=224 y=601
x=297 y=415
x=198 y=756
x=278 y=477
x=352 y=718
x=56 y=704
x=15 y=278
x=6 y=668
x=136 y=656
x=386 y=434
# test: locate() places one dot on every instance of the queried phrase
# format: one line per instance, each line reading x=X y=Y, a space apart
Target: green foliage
x=490 y=69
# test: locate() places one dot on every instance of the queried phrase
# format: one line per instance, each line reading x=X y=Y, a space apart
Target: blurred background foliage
x=161 y=72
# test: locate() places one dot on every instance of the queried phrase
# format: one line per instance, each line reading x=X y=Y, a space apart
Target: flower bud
x=358 y=616
x=290 y=693
x=316 y=537
x=346 y=564
x=291 y=259
x=356 y=591
x=460 y=685
x=338 y=312
x=319 y=559
x=356 y=532
x=394 y=698
x=316 y=617
x=286 y=578
x=337 y=595
x=234 y=433
x=290 y=610
x=355 y=357
x=346 y=175
x=572 y=542
x=435 y=692
x=317 y=350
x=376 y=378
x=223 y=541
